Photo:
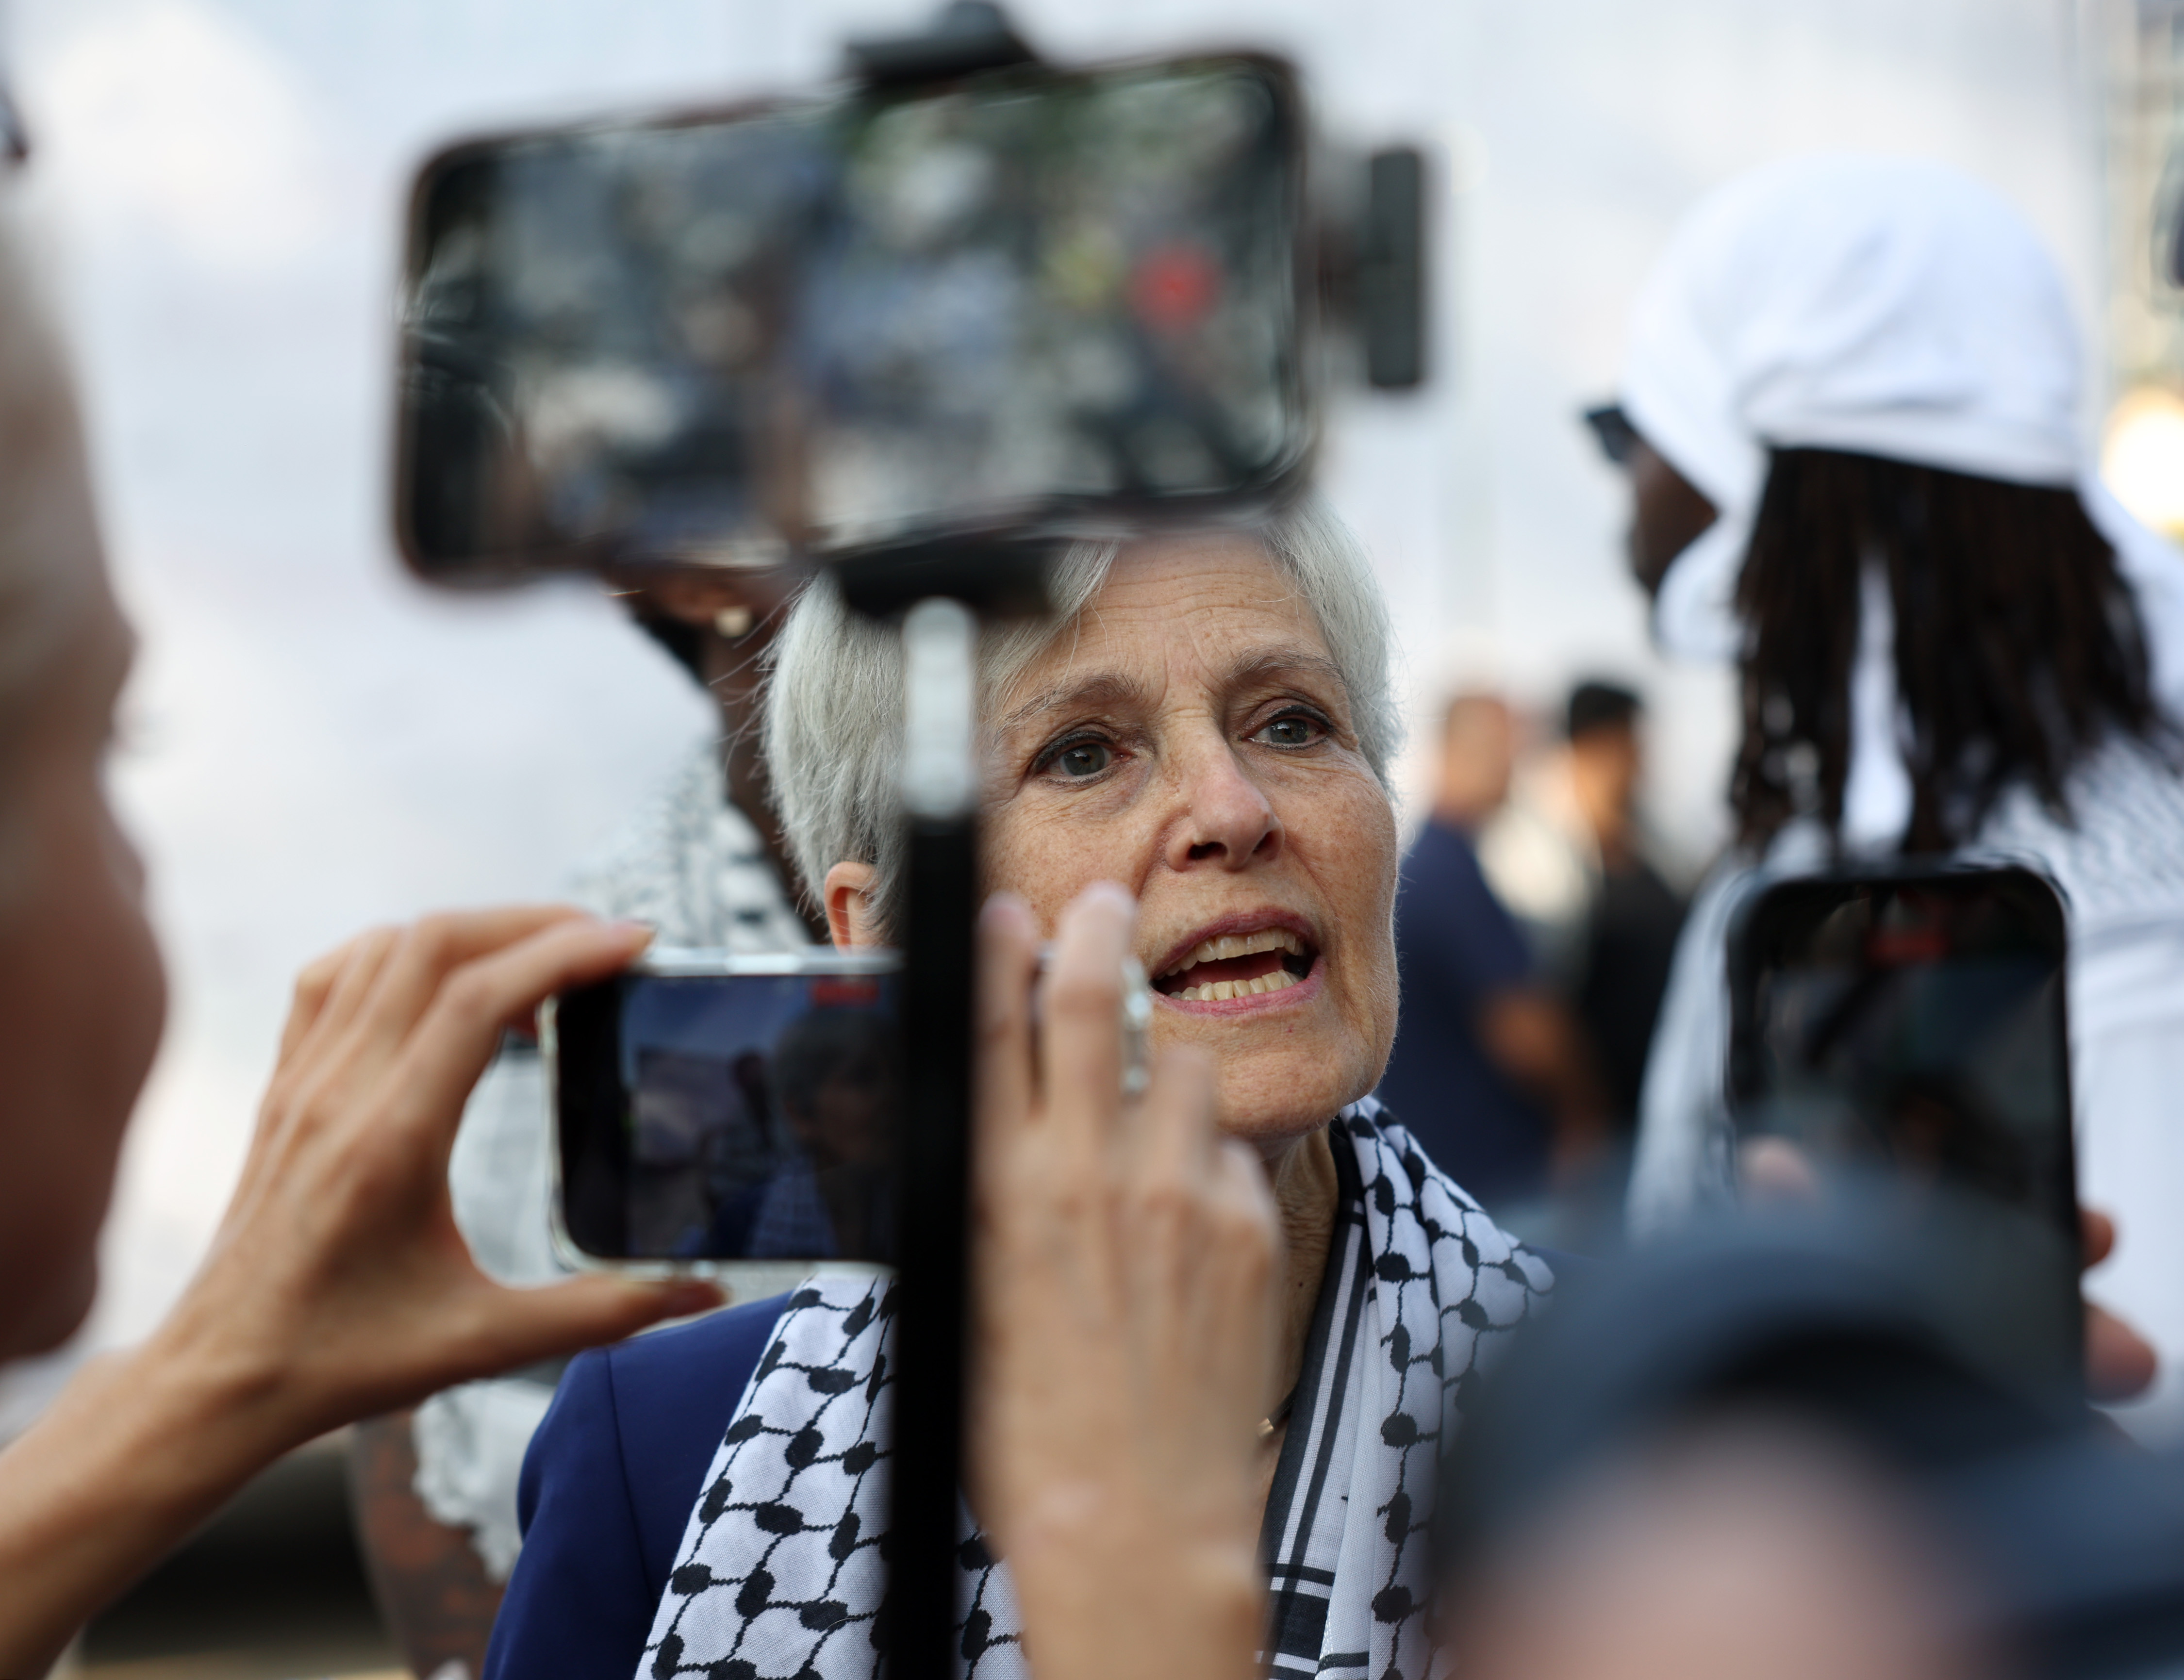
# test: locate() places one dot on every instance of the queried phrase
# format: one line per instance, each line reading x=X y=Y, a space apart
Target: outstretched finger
x=1174 y=1135
x=1239 y=1307
x=314 y=986
x=1080 y=1049
x=2120 y=1364
x=458 y=1033
x=1008 y=964
x=342 y=980
x=431 y=949
x=2096 y=1235
x=1242 y=1187
x=526 y=1326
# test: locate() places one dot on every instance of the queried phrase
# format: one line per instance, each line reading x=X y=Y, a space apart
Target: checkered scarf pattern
x=779 y=1575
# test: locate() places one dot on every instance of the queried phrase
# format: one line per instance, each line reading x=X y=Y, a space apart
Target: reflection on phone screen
x=708 y=338
x=732 y=1117
x=1921 y=1031
x=1904 y=1038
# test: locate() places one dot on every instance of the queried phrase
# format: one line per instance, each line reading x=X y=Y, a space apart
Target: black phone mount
x=940 y=900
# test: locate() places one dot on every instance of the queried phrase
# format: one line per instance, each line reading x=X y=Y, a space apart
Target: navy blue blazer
x=609 y=1483
x=607 y=1487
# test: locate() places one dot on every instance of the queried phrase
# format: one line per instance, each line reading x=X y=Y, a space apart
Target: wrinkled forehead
x=1194 y=609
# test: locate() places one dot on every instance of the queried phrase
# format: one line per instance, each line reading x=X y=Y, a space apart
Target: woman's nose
x=1227 y=820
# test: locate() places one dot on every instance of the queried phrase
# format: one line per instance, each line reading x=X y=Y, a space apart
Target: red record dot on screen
x=1899 y=947
x=1175 y=287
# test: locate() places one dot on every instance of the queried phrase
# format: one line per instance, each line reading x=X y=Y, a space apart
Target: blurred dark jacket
x=1455 y=946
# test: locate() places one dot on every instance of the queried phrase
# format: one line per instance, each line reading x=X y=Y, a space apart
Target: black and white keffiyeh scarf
x=779 y=1575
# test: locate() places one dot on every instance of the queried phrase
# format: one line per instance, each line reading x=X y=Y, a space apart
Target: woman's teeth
x=1277 y=943
x=1243 y=945
x=1217 y=990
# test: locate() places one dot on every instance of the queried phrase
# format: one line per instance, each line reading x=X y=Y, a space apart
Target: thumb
x=584 y=1312
x=2096 y=1235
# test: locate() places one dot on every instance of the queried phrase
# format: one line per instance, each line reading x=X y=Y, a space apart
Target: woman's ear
x=849 y=918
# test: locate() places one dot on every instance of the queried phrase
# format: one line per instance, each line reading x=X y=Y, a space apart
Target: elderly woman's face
x=1190 y=739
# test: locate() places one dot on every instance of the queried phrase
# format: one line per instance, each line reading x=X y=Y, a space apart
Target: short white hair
x=834 y=705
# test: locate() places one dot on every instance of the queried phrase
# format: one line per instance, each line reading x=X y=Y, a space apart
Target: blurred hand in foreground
x=2120 y=1364
x=1125 y=1258
x=337 y=1286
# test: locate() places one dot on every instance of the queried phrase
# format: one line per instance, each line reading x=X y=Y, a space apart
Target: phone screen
x=730 y=1116
x=1909 y=1031
x=714 y=338
x=1077 y=289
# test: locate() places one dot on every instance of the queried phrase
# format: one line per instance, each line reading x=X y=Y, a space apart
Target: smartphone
x=733 y=337
x=1907 y=1031
x=738 y=1116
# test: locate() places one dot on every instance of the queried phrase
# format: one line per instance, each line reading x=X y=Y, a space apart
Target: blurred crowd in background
x=1538 y=917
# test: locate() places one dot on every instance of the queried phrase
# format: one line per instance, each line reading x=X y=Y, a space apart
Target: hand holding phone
x=338 y=1286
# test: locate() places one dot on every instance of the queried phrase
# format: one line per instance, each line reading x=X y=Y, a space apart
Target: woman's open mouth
x=1232 y=965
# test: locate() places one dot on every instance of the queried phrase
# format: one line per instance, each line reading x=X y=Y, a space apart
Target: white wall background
x=317 y=744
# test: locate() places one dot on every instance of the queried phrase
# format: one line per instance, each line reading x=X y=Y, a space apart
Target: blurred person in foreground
x=1798 y=1442
x=702 y=864
x=1488 y=1068
x=337 y=1284
x=1850 y=418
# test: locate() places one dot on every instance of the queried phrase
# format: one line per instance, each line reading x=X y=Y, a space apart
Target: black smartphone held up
x=1908 y=1030
x=740 y=1116
x=734 y=337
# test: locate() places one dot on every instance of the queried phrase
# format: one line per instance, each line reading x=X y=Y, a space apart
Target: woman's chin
x=1286 y=1061
x=1288 y=1095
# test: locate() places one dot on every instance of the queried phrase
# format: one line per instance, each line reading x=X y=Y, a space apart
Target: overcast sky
x=316 y=743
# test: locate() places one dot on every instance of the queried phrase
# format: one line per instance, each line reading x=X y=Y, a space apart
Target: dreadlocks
x=2018 y=645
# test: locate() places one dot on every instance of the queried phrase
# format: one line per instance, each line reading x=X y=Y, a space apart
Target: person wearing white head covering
x=1853 y=383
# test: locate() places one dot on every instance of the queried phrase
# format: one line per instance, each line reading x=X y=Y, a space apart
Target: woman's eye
x=1296 y=730
x=1083 y=759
